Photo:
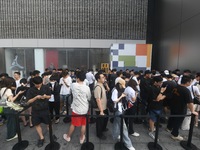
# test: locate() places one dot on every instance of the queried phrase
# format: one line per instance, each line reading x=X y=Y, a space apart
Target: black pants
x=174 y=123
x=101 y=123
x=129 y=121
x=54 y=106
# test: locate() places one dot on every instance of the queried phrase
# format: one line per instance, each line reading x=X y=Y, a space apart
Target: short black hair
x=37 y=80
x=17 y=72
x=35 y=72
x=23 y=80
x=157 y=79
x=81 y=75
x=97 y=76
x=185 y=79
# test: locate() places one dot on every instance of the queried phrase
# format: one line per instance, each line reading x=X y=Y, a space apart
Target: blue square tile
x=115 y=63
x=121 y=46
x=115 y=52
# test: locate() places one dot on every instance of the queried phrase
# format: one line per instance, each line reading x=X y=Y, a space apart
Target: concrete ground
x=140 y=143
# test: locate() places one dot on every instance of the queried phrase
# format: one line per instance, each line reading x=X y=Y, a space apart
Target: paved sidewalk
x=140 y=143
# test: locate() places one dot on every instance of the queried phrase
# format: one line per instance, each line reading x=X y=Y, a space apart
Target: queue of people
x=117 y=93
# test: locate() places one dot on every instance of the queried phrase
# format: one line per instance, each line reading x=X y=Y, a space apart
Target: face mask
x=52 y=82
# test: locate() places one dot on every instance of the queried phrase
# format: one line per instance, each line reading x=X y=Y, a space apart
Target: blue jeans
x=116 y=130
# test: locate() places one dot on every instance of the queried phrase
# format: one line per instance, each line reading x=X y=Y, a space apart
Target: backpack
x=93 y=101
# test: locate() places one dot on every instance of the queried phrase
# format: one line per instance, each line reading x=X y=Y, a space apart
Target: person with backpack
x=101 y=99
x=117 y=96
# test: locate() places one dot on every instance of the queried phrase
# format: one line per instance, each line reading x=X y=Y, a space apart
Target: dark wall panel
x=73 y=19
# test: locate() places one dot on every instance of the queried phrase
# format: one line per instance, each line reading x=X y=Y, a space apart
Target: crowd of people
x=120 y=92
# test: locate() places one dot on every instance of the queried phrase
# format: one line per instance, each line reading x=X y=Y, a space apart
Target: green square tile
x=129 y=61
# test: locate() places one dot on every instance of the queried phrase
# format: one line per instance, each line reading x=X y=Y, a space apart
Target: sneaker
x=168 y=130
x=68 y=139
x=154 y=129
x=10 y=139
x=57 y=121
x=179 y=138
x=135 y=134
x=151 y=134
x=82 y=140
x=131 y=148
x=119 y=137
x=40 y=142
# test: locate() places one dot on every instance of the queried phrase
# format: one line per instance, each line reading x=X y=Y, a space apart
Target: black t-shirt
x=145 y=89
x=180 y=98
x=21 y=88
x=155 y=105
x=40 y=104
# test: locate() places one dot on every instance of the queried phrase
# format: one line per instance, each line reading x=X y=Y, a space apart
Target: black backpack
x=93 y=101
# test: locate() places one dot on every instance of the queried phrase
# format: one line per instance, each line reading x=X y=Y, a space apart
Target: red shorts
x=78 y=121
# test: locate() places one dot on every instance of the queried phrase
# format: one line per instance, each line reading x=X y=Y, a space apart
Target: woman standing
x=131 y=97
x=7 y=95
x=117 y=96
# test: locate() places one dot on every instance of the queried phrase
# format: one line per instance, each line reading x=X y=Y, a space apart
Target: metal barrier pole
x=21 y=145
x=92 y=119
x=137 y=119
x=87 y=145
x=187 y=144
x=154 y=145
x=120 y=145
x=67 y=119
x=52 y=145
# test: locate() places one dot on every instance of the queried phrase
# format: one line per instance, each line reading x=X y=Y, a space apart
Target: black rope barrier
x=87 y=145
x=120 y=145
x=154 y=145
x=188 y=144
x=53 y=145
x=21 y=145
x=67 y=119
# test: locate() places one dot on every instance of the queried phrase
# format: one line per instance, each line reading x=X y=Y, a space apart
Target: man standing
x=80 y=105
x=90 y=78
x=17 y=77
x=38 y=97
x=100 y=96
x=181 y=99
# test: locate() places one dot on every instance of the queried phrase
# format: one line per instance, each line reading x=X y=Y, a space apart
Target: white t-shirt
x=6 y=94
x=130 y=93
x=135 y=78
x=114 y=98
x=81 y=95
x=52 y=96
x=64 y=89
x=90 y=77
x=17 y=83
x=195 y=89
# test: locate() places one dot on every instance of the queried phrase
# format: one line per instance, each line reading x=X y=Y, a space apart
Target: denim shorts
x=153 y=114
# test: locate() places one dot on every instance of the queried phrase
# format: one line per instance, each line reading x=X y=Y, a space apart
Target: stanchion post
x=120 y=145
x=188 y=144
x=52 y=145
x=67 y=119
x=21 y=145
x=137 y=120
x=87 y=145
x=92 y=119
x=154 y=145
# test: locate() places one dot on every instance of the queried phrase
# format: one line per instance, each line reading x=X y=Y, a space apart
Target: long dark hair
x=132 y=83
x=117 y=87
x=7 y=82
